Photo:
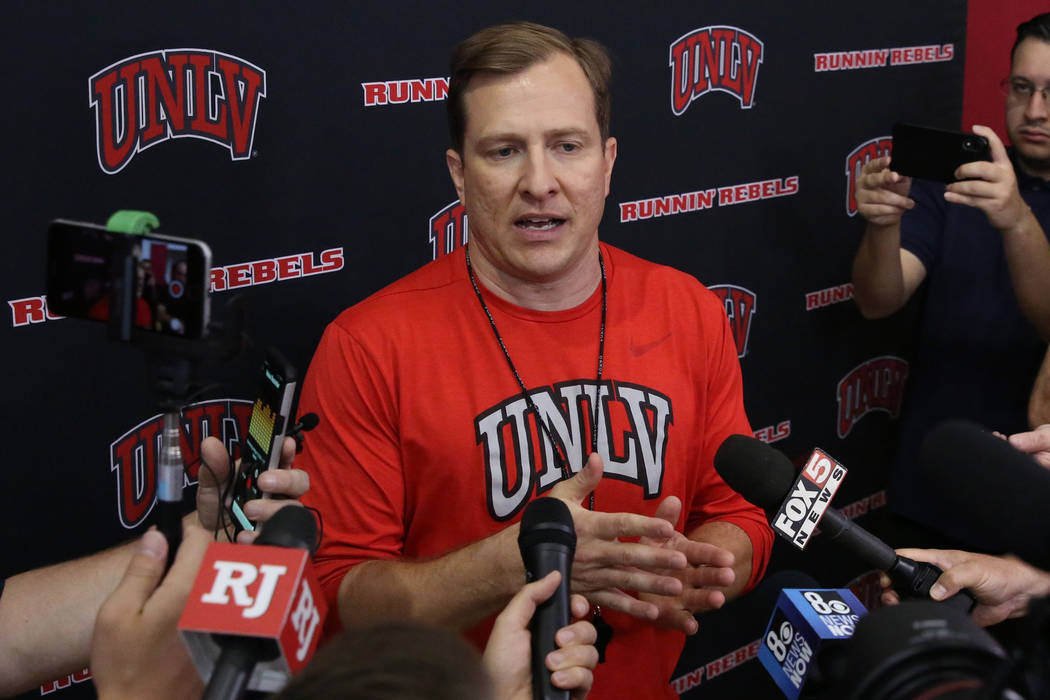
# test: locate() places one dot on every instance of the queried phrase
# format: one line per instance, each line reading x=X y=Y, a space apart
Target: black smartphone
x=268 y=423
x=934 y=154
x=166 y=277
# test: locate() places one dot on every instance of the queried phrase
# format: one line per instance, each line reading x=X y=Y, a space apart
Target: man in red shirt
x=536 y=361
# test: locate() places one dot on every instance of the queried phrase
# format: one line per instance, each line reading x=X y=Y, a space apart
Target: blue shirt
x=977 y=354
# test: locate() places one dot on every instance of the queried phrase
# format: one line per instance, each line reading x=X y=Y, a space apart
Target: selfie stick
x=170 y=466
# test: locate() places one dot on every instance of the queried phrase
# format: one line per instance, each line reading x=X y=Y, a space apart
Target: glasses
x=1021 y=90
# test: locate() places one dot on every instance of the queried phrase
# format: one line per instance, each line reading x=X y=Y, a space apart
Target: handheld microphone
x=253 y=617
x=766 y=478
x=547 y=541
x=805 y=627
x=993 y=483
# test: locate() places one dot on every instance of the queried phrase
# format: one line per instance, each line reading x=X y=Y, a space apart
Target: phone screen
x=88 y=265
x=267 y=426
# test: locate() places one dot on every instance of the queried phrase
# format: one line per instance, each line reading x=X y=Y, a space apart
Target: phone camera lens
x=969 y=144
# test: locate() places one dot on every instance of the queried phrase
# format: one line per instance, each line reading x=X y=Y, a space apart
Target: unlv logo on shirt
x=632 y=430
x=875 y=385
x=145 y=99
x=133 y=456
x=875 y=148
x=723 y=59
x=740 y=307
x=448 y=230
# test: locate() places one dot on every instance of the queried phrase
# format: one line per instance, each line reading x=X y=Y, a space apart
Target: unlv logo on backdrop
x=725 y=59
x=145 y=99
x=869 y=150
x=740 y=307
x=448 y=230
x=875 y=385
x=133 y=456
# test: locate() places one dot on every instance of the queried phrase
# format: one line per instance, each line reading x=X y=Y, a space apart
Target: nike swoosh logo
x=639 y=350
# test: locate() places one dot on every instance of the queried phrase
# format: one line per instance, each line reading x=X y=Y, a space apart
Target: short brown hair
x=1036 y=28
x=511 y=48
x=396 y=661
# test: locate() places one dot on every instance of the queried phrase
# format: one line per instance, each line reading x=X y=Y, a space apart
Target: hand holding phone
x=935 y=154
x=267 y=426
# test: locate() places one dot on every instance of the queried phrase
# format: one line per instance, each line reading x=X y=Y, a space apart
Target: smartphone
x=160 y=281
x=267 y=425
x=934 y=154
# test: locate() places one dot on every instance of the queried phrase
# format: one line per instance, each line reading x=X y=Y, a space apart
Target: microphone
x=253 y=616
x=992 y=483
x=766 y=478
x=547 y=541
x=805 y=630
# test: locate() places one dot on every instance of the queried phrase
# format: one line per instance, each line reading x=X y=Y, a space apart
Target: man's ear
x=610 y=158
x=454 y=161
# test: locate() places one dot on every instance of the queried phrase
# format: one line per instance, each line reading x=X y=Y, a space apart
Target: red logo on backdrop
x=722 y=59
x=875 y=148
x=875 y=385
x=740 y=307
x=133 y=456
x=176 y=93
x=448 y=230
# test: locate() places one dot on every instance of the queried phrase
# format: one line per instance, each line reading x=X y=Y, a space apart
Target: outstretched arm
x=47 y=614
x=1003 y=585
x=467 y=585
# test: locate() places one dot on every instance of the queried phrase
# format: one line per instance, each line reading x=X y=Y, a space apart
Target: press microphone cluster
x=253 y=617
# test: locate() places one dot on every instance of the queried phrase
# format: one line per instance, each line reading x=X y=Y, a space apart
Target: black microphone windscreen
x=758 y=472
x=292 y=526
x=997 y=485
x=309 y=421
x=547 y=520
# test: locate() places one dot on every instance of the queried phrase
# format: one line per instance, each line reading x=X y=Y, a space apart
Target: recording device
x=268 y=423
x=154 y=283
x=935 y=154
x=254 y=615
x=547 y=541
x=921 y=649
x=993 y=483
x=766 y=478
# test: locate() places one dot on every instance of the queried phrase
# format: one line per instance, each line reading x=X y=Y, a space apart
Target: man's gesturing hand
x=709 y=566
x=604 y=566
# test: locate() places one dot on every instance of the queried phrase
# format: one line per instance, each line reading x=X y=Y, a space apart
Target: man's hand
x=990 y=186
x=286 y=483
x=508 y=652
x=136 y=651
x=882 y=194
x=708 y=567
x=1034 y=442
x=1002 y=585
x=604 y=566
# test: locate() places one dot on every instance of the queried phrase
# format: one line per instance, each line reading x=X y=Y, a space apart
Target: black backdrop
x=315 y=168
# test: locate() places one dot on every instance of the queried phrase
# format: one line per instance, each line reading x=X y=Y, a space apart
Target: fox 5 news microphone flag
x=259 y=591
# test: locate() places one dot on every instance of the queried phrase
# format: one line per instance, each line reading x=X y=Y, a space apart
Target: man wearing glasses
x=980 y=246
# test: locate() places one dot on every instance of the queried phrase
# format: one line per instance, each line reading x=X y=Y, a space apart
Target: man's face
x=534 y=172
x=1028 y=122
